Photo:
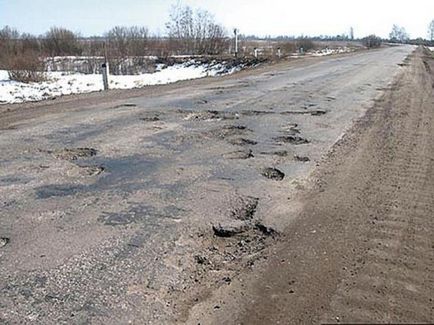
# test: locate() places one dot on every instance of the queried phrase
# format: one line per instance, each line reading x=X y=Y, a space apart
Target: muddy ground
x=167 y=204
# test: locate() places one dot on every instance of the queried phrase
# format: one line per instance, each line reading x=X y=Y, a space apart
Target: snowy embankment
x=59 y=84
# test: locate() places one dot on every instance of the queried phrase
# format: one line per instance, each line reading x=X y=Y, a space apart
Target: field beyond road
x=299 y=192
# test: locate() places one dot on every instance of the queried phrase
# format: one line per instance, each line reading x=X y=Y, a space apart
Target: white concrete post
x=105 y=69
x=236 y=42
x=105 y=73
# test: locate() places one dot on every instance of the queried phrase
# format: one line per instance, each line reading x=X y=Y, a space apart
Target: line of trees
x=431 y=31
x=190 y=31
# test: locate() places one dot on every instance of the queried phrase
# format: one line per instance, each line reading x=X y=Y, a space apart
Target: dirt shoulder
x=361 y=249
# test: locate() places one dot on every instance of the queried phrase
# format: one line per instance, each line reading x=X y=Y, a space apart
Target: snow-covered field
x=59 y=84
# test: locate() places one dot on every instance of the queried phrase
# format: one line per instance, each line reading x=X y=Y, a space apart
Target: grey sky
x=273 y=17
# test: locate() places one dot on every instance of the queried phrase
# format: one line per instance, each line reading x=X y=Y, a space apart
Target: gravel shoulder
x=361 y=247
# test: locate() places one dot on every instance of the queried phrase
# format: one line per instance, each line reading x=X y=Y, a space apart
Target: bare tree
x=431 y=31
x=59 y=41
x=127 y=41
x=195 y=32
x=398 y=34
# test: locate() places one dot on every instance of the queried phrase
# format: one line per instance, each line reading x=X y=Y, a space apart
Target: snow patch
x=328 y=51
x=61 y=83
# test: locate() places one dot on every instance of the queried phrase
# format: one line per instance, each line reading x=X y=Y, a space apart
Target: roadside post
x=236 y=41
x=256 y=52
x=279 y=52
x=105 y=69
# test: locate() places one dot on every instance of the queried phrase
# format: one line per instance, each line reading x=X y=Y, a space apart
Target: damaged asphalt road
x=111 y=212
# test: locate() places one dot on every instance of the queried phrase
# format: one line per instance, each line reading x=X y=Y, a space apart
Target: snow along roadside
x=61 y=83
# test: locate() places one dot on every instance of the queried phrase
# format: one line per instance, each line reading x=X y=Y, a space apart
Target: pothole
x=246 y=208
x=273 y=173
x=239 y=154
x=292 y=139
x=239 y=217
x=255 y=113
x=304 y=112
x=280 y=153
x=4 y=241
x=209 y=115
x=153 y=118
x=242 y=142
x=91 y=170
x=301 y=158
x=318 y=112
x=230 y=228
x=74 y=153
x=125 y=105
x=228 y=131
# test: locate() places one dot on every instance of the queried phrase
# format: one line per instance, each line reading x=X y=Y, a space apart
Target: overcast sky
x=271 y=17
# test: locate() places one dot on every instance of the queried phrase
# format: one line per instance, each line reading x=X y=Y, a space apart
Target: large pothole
x=74 y=153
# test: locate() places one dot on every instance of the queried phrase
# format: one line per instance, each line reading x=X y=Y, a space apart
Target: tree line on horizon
x=189 y=32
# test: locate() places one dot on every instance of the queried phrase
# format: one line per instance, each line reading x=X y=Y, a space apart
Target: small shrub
x=26 y=67
x=305 y=43
x=372 y=41
x=288 y=47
